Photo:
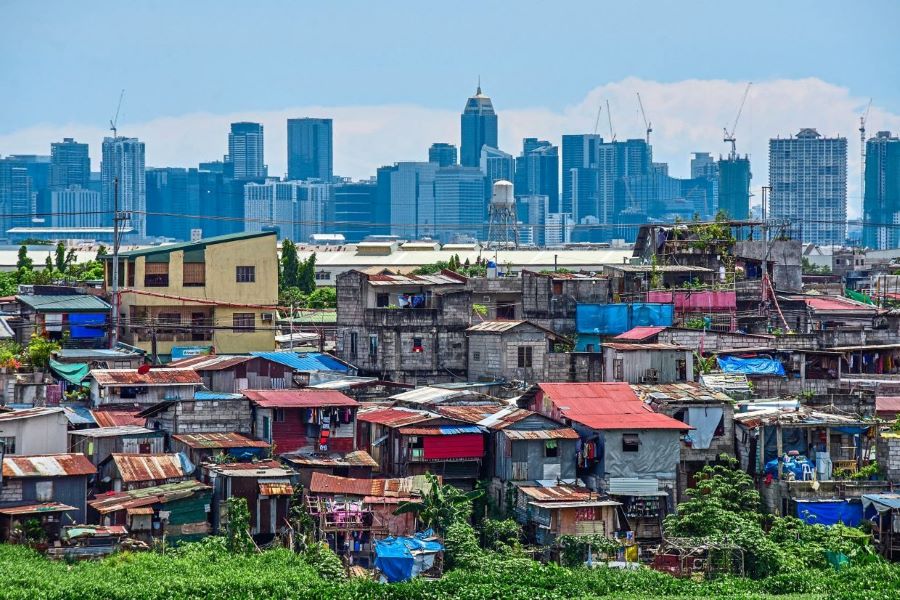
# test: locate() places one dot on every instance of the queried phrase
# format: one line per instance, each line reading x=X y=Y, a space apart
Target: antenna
x=609 y=117
x=647 y=124
x=115 y=120
x=862 y=150
x=729 y=136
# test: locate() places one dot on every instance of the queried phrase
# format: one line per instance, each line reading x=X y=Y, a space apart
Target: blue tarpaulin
x=87 y=325
x=649 y=314
x=751 y=366
x=396 y=560
x=830 y=513
x=613 y=319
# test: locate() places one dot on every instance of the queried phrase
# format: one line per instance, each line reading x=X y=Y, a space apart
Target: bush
x=325 y=562
x=461 y=546
x=501 y=536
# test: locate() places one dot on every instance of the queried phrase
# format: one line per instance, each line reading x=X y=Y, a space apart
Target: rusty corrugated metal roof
x=35 y=509
x=148 y=467
x=636 y=334
x=117 y=417
x=349 y=486
x=359 y=458
x=155 y=376
x=47 y=465
x=559 y=493
x=28 y=413
x=394 y=417
x=160 y=494
x=688 y=391
x=495 y=326
x=563 y=433
x=276 y=488
x=218 y=440
x=299 y=398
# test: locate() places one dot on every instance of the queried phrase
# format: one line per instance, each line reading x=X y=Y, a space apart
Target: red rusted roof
x=394 y=417
x=606 y=406
x=476 y=414
x=358 y=458
x=36 y=509
x=559 y=493
x=152 y=377
x=218 y=440
x=637 y=334
x=635 y=347
x=148 y=467
x=349 y=486
x=298 y=398
x=887 y=406
x=836 y=303
x=563 y=433
x=47 y=465
x=117 y=417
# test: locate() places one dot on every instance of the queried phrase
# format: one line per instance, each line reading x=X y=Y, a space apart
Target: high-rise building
x=70 y=164
x=295 y=209
x=881 y=200
x=808 y=182
x=478 y=128
x=532 y=211
x=123 y=162
x=496 y=165
x=74 y=207
x=245 y=150
x=353 y=210
x=537 y=171
x=443 y=154
x=15 y=196
x=310 y=154
x=703 y=165
x=406 y=199
x=459 y=202
x=734 y=187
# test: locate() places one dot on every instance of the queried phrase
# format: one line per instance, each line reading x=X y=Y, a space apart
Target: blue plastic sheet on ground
x=394 y=556
x=751 y=366
x=830 y=513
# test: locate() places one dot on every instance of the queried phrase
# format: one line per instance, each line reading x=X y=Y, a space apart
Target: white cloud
x=687 y=116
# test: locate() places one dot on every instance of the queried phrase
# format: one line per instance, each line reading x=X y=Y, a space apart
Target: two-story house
x=218 y=293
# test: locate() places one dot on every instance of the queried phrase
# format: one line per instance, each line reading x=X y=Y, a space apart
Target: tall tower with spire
x=478 y=128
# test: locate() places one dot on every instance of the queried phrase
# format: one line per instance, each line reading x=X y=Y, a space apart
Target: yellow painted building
x=217 y=292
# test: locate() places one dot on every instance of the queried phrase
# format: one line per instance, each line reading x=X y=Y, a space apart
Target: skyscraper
x=74 y=207
x=245 y=150
x=495 y=165
x=70 y=164
x=459 y=202
x=352 y=211
x=15 y=196
x=443 y=154
x=808 y=181
x=123 y=159
x=406 y=198
x=478 y=127
x=703 y=165
x=310 y=153
x=537 y=171
x=734 y=187
x=881 y=203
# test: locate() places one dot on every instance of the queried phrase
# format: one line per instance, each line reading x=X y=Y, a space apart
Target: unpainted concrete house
x=126 y=386
x=404 y=328
x=206 y=412
x=647 y=363
x=550 y=299
x=511 y=350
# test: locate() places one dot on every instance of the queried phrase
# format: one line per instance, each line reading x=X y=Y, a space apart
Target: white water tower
x=502 y=227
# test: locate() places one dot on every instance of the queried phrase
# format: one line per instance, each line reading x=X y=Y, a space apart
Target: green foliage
x=480 y=309
x=290 y=265
x=441 y=506
x=503 y=536
x=238 y=540
x=323 y=297
x=325 y=562
x=695 y=323
x=575 y=548
x=478 y=269
x=809 y=268
x=704 y=365
x=461 y=546
x=39 y=351
x=306 y=274
x=9 y=353
x=23 y=262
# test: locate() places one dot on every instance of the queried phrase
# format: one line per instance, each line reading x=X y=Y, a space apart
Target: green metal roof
x=189 y=246
x=64 y=303
x=310 y=317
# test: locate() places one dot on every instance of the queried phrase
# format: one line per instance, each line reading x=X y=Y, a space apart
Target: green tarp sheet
x=71 y=372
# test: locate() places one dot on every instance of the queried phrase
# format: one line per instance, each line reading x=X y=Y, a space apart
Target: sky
x=394 y=75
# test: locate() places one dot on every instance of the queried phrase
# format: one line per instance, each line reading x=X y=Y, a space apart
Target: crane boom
x=114 y=121
x=597 y=120
x=647 y=124
x=612 y=133
x=729 y=135
x=862 y=149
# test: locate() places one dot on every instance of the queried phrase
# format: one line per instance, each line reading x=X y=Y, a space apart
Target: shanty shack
x=266 y=485
x=117 y=386
x=357 y=464
x=647 y=363
x=49 y=487
x=33 y=430
x=203 y=447
x=549 y=512
x=206 y=412
x=407 y=442
x=124 y=472
x=510 y=350
x=99 y=442
x=304 y=420
x=228 y=374
x=174 y=511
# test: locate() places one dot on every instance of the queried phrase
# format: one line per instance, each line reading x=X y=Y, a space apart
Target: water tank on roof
x=502 y=196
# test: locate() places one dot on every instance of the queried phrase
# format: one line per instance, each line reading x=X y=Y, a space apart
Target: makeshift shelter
x=884 y=512
x=684 y=557
x=402 y=558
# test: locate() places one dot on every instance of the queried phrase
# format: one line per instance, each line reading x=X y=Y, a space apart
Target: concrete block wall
x=888 y=455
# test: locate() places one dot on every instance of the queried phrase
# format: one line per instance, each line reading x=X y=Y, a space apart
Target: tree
x=440 y=505
x=290 y=264
x=63 y=259
x=101 y=252
x=306 y=274
x=23 y=261
x=323 y=297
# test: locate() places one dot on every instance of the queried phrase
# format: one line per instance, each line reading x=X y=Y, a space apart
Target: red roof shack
x=626 y=447
x=304 y=420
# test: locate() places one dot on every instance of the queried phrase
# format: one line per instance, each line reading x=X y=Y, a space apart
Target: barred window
x=244 y=322
x=245 y=274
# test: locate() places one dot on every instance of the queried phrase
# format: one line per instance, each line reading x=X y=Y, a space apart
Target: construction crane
x=862 y=149
x=115 y=120
x=729 y=136
x=612 y=133
x=597 y=120
x=647 y=124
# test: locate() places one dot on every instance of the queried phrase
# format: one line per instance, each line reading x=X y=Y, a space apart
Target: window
x=373 y=346
x=244 y=322
x=382 y=300
x=279 y=415
x=323 y=275
x=168 y=322
x=194 y=274
x=156 y=274
x=245 y=274
x=618 y=369
x=551 y=449
x=630 y=442
x=417 y=345
x=43 y=491
x=525 y=357
x=9 y=443
x=476 y=356
x=353 y=344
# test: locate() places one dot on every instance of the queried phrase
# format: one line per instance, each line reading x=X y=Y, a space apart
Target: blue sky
x=379 y=67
